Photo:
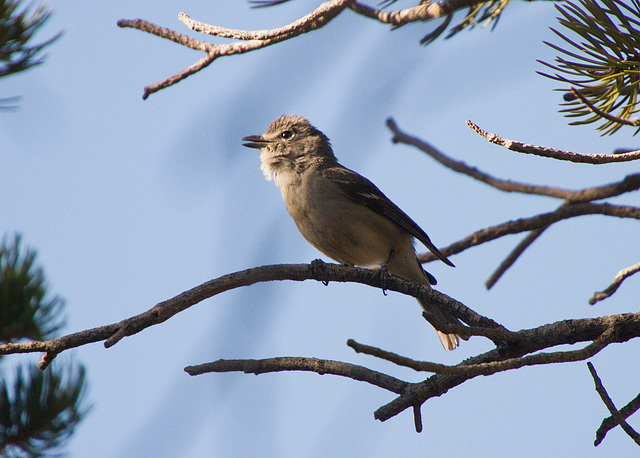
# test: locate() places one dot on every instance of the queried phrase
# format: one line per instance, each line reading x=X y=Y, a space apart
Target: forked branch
x=317 y=270
x=252 y=40
x=523 y=349
x=576 y=203
x=609 y=423
x=617 y=416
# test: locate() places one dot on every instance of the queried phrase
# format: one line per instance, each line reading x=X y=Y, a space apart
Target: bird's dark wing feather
x=359 y=189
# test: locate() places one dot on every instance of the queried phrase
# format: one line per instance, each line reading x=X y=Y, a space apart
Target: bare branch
x=533 y=223
x=417 y=419
x=312 y=21
x=601 y=331
x=422 y=12
x=163 y=32
x=630 y=183
x=317 y=270
x=390 y=356
x=612 y=408
x=262 y=38
x=617 y=281
x=508 y=355
x=488 y=368
x=295 y=363
x=555 y=153
x=609 y=423
x=255 y=40
x=513 y=256
x=196 y=67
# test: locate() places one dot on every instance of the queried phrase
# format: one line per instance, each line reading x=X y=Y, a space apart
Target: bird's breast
x=342 y=229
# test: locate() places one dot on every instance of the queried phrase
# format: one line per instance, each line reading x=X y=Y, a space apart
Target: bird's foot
x=384 y=274
x=317 y=266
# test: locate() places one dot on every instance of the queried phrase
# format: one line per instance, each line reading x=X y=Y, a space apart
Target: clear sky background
x=130 y=202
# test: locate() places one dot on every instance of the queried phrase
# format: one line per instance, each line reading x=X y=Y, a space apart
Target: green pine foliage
x=17 y=29
x=603 y=64
x=483 y=13
x=38 y=410
x=25 y=309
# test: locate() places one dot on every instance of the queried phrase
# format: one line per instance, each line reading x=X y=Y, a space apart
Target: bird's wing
x=361 y=190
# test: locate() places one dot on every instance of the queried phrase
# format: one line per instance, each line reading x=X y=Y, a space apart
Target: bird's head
x=290 y=143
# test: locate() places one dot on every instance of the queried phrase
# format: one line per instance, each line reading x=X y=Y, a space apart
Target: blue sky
x=130 y=202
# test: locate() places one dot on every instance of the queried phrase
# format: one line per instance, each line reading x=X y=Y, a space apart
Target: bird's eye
x=286 y=134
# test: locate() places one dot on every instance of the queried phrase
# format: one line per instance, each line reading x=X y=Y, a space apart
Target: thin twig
x=612 y=408
x=628 y=122
x=533 y=223
x=153 y=29
x=295 y=363
x=555 y=153
x=488 y=368
x=628 y=184
x=417 y=419
x=265 y=3
x=615 y=284
x=513 y=256
x=609 y=423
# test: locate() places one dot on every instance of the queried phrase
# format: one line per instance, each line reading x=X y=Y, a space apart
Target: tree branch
x=295 y=363
x=488 y=368
x=513 y=256
x=312 y=21
x=615 y=284
x=512 y=355
x=612 y=408
x=629 y=183
x=422 y=12
x=317 y=270
x=555 y=153
x=254 y=40
x=621 y=328
x=496 y=333
x=534 y=223
x=609 y=423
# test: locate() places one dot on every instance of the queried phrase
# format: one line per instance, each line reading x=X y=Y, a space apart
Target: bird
x=341 y=213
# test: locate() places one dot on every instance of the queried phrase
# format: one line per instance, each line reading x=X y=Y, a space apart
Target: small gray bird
x=341 y=213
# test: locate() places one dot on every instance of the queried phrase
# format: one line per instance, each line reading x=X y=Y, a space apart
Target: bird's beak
x=255 y=141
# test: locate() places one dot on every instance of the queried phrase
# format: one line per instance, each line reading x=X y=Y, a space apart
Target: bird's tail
x=406 y=265
x=448 y=341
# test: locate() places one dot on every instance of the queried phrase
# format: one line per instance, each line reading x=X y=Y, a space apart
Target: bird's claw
x=317 y=266
x=384 y=273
